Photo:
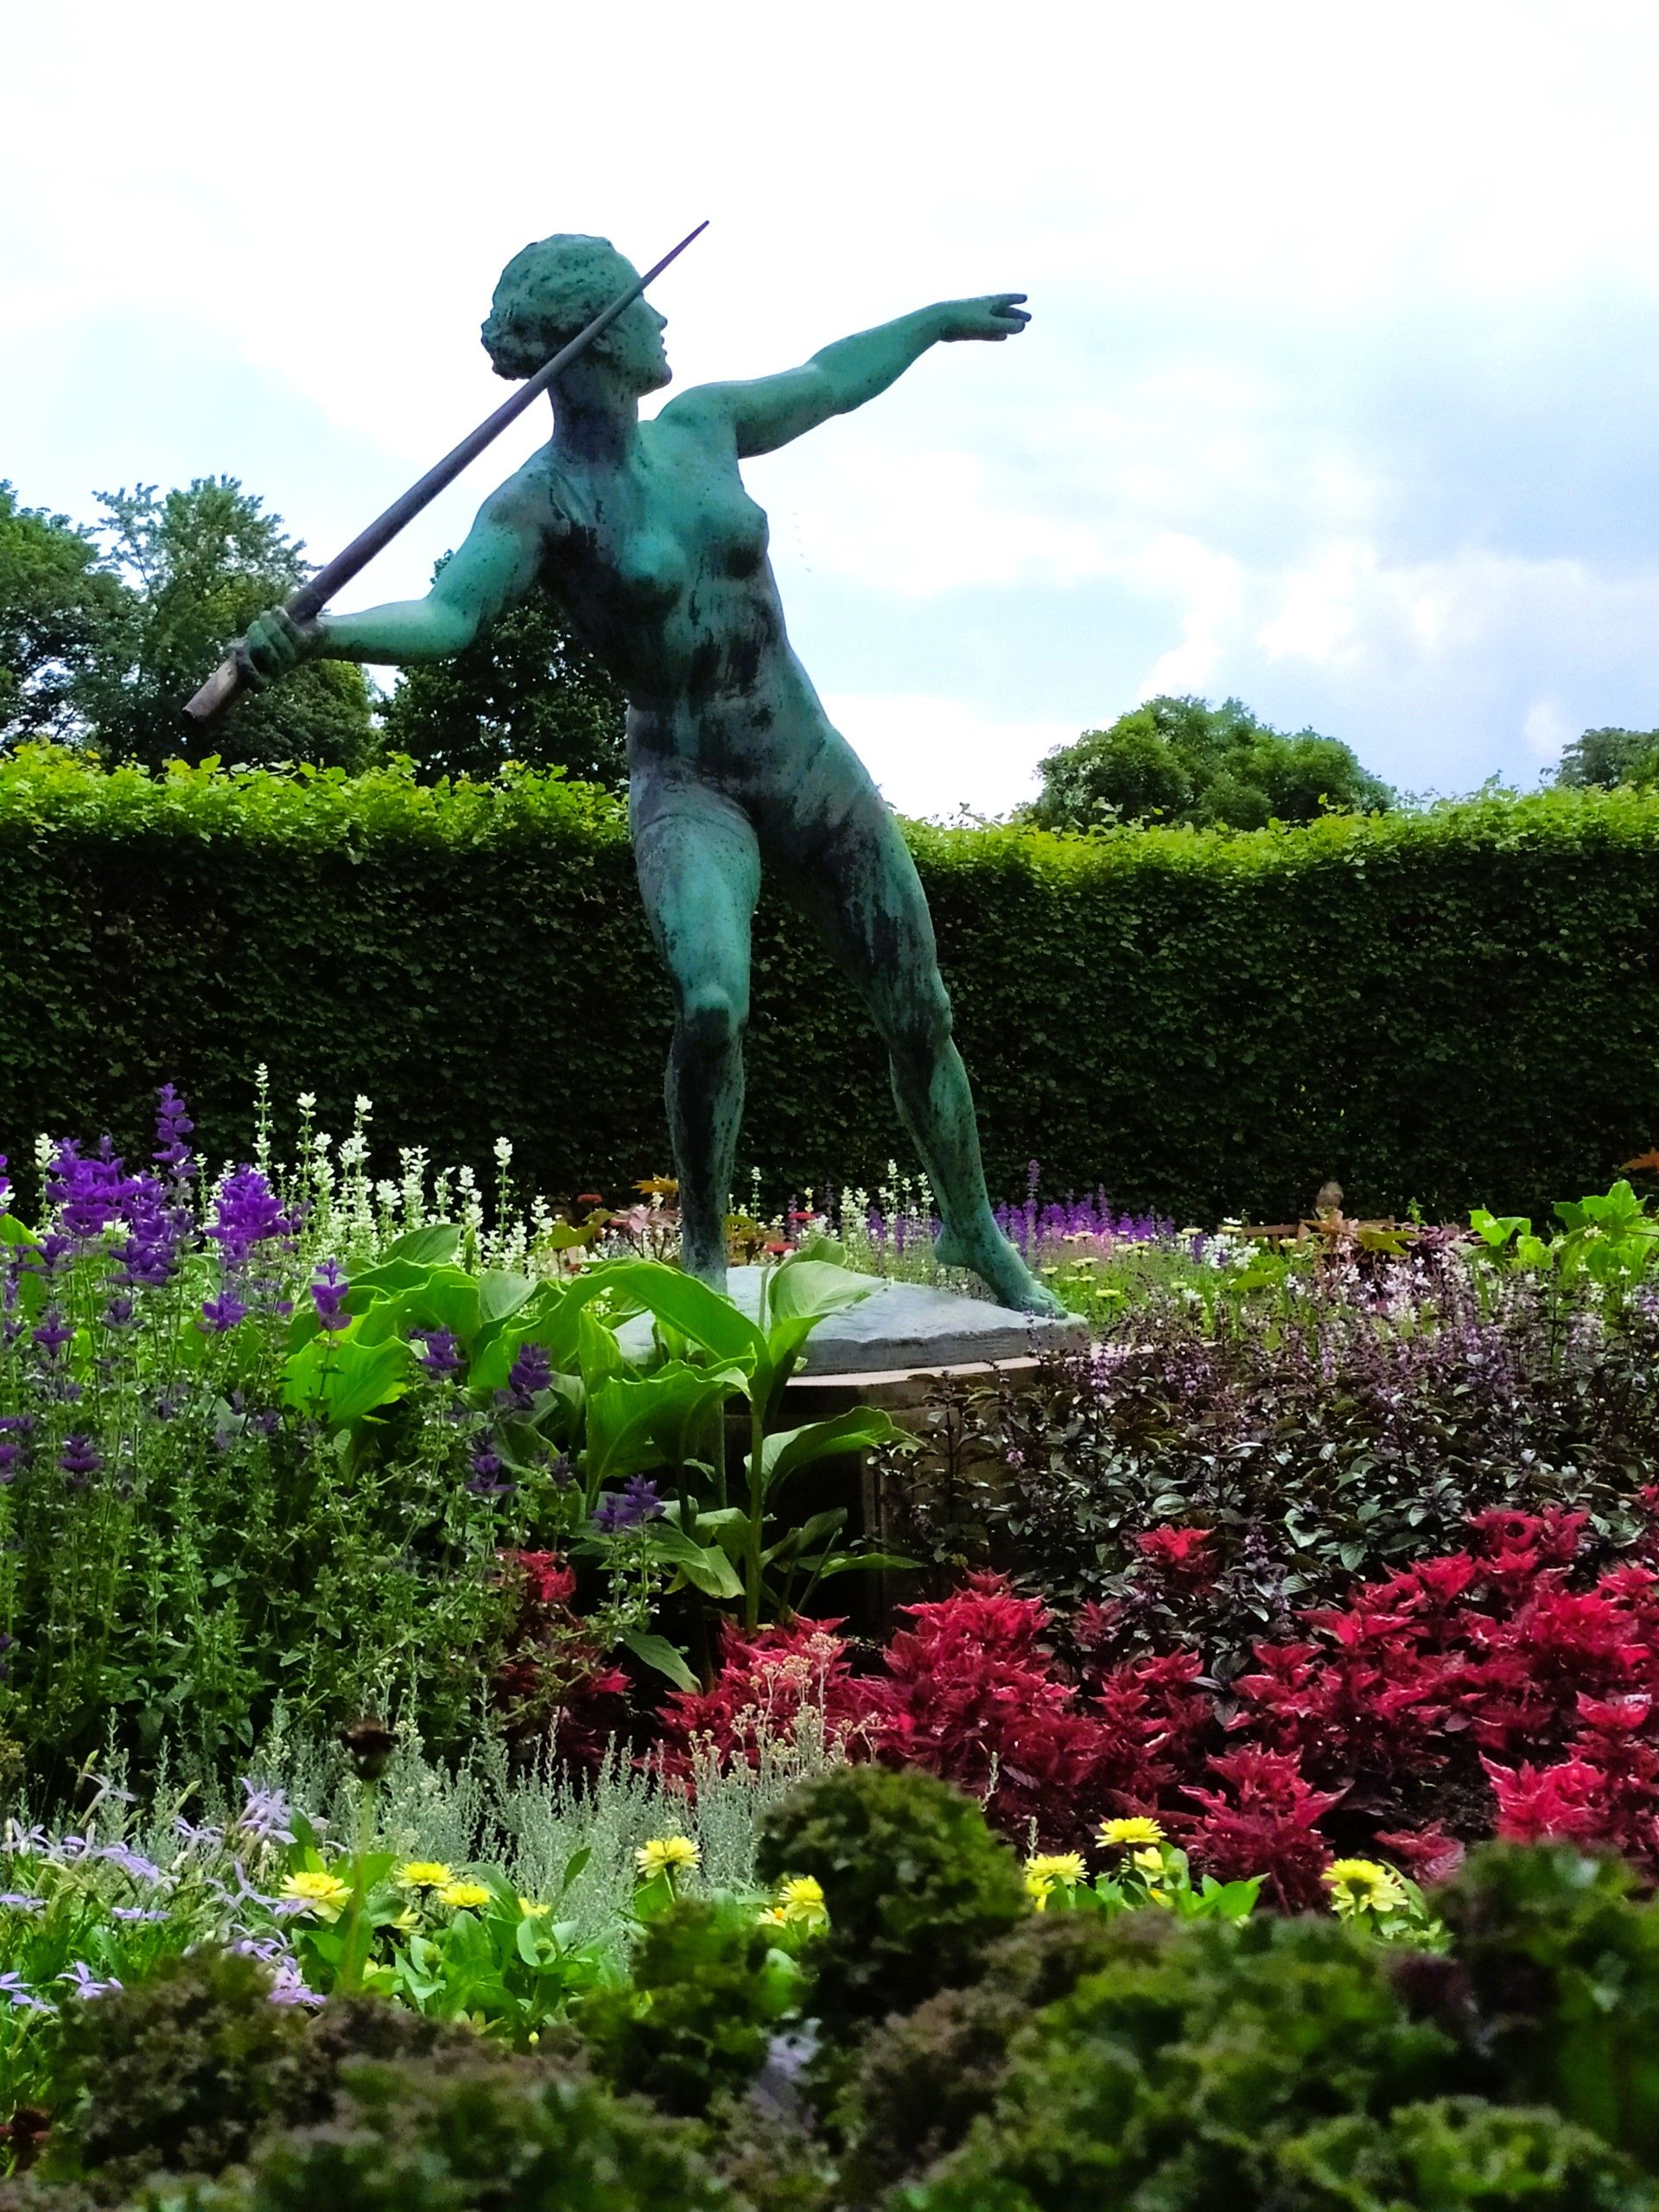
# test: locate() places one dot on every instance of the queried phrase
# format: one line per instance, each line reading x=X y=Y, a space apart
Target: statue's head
x=552 y=289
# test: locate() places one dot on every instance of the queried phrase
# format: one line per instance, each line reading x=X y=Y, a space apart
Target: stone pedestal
x=902 y=1328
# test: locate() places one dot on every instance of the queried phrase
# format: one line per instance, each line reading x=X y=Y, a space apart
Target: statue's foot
x=999 y=1268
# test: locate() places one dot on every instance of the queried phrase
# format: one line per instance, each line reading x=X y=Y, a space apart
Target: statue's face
x=632 y=348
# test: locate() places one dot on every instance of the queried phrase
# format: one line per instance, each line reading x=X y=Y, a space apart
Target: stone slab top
x=902 y=1328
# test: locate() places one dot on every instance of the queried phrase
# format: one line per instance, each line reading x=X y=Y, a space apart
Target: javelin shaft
x=226 y=684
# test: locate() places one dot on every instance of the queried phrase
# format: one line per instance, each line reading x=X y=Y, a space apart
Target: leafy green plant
x=756 y=1360
x=916 y=1886
x=1554 y=1993
x=708 y=1987
x=483 y=2134
x=1456 y=2153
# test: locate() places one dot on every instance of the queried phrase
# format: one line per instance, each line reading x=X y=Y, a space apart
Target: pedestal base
x=901 y=1329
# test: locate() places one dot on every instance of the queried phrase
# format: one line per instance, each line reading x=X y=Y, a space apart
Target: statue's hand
x=999 y=316
x=275 y=644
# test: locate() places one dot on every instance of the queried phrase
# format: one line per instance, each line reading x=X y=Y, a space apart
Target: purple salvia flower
x=5 y=1185
x=441 y=1358
x=626 y=1509
x=79 y=1459
x=222 y=1312
x=173 y=1125
x=488 y=1478
x=248 y=1214
x=53 y=1333
x=532 y=1371
x=328 y=1294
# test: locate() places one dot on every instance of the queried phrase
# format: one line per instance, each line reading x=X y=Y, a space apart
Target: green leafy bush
x=1553 y=1986
x=706 y=1990
x=1176 y=2072
x=917 y=1888
x=182 y=2072
x=1455 y=2155
x=1458 y=1005
x=483 y=2134
x=925 y=2076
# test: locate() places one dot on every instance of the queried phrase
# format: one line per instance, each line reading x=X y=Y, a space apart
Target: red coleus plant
x=1484 y=1669
x=552 y=1674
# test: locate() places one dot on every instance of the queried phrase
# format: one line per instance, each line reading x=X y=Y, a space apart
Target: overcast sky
x=1340 y=395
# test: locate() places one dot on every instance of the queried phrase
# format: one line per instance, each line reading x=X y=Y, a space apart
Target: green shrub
x=483 y=2134
x=925 y=2078
x=917 y=1888
x=179 y=2074
x=700 y=2008
x=1459 y=1006
x=1177 y=2073
x=1459 y=2155
x=1553 y=1986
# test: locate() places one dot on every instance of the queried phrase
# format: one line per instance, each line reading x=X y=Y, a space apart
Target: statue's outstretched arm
x=495 y=566
x=772 y=411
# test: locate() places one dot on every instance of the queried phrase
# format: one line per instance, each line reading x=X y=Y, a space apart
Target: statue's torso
x=660 y=567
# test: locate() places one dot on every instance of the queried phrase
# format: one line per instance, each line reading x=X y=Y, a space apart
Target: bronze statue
x=656 y=556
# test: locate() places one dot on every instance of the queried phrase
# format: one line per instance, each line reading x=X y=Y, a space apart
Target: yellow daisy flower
x=1362 y=1885
x=464 y=1896
x=667 y=1855
x=1134 y=1832
x=774 y=1916
x=425 y=1874
x=324 y=1894
x=1056 y=1866
x=1147 y=1862
x=531 y=1910
x=801 y=1899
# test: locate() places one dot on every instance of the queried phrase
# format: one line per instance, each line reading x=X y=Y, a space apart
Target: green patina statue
x=657 y=556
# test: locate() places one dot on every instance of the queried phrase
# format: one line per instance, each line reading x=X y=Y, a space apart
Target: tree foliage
x=57 y=606
x=1604 y=758
x=197 y=565
x=526 y=691
x=1183 y=760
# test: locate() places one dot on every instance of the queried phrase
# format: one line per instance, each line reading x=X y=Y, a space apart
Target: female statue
x=657 y=557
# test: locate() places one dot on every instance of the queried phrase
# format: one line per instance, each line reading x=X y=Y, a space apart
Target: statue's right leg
x=699 y=869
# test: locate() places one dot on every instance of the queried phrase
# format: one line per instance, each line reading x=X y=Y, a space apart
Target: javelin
x=228 y=682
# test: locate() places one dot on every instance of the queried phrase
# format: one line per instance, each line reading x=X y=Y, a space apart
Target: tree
x=58 y=604
x=1607 y=758
x=524 y=690
x=198 y=565
x=1185 y=761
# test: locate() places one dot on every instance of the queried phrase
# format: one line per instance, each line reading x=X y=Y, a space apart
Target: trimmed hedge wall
x=1456 y=1007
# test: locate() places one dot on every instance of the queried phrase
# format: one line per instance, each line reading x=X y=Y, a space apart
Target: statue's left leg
x=849 y=866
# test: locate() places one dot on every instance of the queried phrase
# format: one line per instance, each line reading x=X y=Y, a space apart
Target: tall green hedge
x=1454 y=1006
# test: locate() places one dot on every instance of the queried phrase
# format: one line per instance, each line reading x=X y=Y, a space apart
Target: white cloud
x=933 y=755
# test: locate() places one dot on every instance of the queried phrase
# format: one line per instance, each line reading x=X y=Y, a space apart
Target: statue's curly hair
x=546 y=294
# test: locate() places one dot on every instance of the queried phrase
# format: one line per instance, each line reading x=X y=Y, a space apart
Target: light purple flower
x=265 y=1814
x=17 y=1993
x=86 y=1983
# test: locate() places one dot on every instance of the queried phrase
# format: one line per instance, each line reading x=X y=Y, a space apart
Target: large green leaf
x=500 y=1294
x=633 y=1425
x=787 y=1451
x=704 y=1565
x=702 y=1314
x=810 y=1290
x=430 y=1247
x=346 y=1379
x=656 y=1651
